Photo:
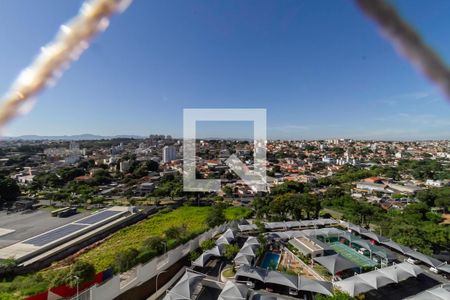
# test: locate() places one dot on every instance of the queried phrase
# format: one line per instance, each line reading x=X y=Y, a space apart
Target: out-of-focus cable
x=70 y=42
x=407 y=41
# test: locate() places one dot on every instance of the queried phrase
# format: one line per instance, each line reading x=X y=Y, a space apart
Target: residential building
x=169 y=154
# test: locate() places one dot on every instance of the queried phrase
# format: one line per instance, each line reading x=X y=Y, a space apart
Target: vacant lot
x=132 y=237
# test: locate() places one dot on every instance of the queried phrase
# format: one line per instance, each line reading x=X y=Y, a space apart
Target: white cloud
x=290 y=128
x=428 y=97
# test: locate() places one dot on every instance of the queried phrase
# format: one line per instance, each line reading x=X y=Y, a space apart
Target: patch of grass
x=237 y=213
x=23 y=286
x=229 y=273
x=333 y=212
x=322 y=271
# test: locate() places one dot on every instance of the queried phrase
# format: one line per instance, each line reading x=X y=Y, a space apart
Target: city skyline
x=319 y=74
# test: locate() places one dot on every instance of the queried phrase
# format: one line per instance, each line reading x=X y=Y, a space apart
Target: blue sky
x=320 y=68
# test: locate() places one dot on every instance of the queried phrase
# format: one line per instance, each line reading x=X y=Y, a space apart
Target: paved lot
x=30 y=224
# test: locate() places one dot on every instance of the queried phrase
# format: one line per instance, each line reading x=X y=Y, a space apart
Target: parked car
x=412 y=261
x=363 y=251
x=293 y=292
x=434 y=270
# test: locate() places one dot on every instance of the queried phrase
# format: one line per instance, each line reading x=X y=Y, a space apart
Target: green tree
x=77 y=273
x=228 y=191
x=152 y=166
x=207 y=244
x=194 y=255
x=230 y=251
x=69 y=174
x=80 y=272
x=288 y=187
x=101 y=177
x=155 y=243
x=175 y=232
x=7 y=266
x=9 y=190
x=125 y=259
x=311 y=204
x=216 y=216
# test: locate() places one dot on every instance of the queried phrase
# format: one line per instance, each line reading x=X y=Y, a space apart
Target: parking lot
x=26 y=225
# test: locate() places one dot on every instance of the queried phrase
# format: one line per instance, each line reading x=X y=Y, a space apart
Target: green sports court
x=347 y=252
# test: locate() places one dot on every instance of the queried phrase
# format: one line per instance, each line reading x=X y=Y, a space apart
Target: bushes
x=194 y=255
x=175 y=232
x=126 y=259
x=26 y=285
x=155 y=243
x=145 y=256
x=216 y=216
x=230 y=251
x=207 y=244
x=77 y=273
x=7 y=266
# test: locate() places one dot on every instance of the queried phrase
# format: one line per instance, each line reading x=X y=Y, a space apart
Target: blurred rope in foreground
x=70 y=42
x=407 y=41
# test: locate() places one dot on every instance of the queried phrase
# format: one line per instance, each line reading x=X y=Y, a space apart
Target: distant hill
x=78 y=137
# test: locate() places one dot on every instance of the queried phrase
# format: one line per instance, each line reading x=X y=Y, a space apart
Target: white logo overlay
x=254 y=176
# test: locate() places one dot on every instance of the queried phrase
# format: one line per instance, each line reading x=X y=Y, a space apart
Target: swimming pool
x=270 y=260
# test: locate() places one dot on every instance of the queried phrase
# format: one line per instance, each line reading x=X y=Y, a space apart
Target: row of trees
x=416 y=226
x=358 y=212
x=437 y=197
x=286 y=201
x=424 y=169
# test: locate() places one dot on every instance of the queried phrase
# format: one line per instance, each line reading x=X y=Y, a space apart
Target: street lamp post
x=78 y=285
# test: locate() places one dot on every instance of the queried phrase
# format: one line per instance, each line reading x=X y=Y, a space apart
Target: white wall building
x=169 y=154
x=436 y=183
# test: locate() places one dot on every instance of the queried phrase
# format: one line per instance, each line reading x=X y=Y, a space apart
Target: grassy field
x=132 y=237
x=237 y=213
